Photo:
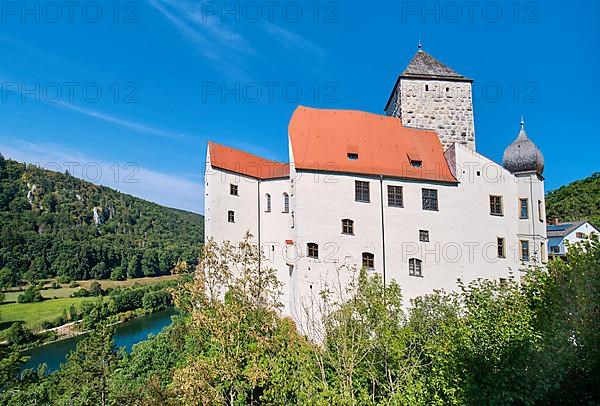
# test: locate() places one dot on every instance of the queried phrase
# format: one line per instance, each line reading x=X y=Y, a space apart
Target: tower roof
x=425 y=66
x=523 y=155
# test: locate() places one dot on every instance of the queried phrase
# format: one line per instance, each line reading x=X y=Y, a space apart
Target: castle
x=404 y=195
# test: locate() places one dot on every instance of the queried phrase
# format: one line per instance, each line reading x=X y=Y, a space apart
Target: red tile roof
x=322 y=140
x=241 y=162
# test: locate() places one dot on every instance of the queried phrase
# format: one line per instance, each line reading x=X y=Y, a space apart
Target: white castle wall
x=463 y=233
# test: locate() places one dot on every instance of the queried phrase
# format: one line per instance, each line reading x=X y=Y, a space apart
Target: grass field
x=33 y=314
x=65 y=291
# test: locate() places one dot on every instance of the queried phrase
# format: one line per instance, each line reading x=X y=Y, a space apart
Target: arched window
x=415 y=267
x=348 y=226
x=312 y=250
x=368 y=260
x=286 y=203
x=268 y=203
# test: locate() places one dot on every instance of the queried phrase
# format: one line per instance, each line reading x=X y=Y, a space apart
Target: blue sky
x=128 y=93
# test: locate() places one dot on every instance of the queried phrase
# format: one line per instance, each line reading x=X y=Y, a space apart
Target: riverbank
x=127 y=334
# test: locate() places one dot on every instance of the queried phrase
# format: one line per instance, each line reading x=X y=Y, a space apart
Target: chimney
x=555 y=221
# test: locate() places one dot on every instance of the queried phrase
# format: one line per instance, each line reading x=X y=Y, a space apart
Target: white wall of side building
x=462 y=233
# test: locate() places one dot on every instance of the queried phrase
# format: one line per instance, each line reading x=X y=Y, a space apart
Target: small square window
x=496 y=206
x=233 y=190
x=231 y=216
x=312 y=250
x=368 y=260
x=580 y=235
x=424 y=235
x=352 y=156
x=348 y=227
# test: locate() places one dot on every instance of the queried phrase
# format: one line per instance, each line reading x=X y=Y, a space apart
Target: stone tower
x=429 y=95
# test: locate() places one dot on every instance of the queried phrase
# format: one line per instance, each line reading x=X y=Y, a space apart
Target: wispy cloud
x=163 y=188
x=291 y=40
x=206 y=32
x=224 y=42
x=127 y=124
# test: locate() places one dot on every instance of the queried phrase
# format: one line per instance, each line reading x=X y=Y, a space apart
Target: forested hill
x=579 y=200
x=53 y=224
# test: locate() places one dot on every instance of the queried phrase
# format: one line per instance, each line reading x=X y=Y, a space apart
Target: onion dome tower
x=523 y=155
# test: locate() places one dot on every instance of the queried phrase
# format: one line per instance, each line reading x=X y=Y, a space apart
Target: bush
x=30 y=295
x=118 y=274
x=18 y=334
x=96 y=289
x=83 y=292
x=64 y=279
x=54 y=285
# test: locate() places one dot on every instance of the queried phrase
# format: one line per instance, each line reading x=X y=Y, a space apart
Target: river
x=126 y=335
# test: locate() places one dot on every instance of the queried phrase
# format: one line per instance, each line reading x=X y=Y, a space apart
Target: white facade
x=463 y=235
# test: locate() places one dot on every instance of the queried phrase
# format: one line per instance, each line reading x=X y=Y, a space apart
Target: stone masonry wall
x=443 y=106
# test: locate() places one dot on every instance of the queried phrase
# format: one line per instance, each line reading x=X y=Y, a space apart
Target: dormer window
x=353 y=156
x=415 y=159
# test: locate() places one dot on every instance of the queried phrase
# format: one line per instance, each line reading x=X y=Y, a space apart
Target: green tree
x=30 y=295
x=18 y=334
x=7 y=278
x=118 y=274
x=84 y=379
x=149 y=263
x=134 y=267
x=96 y=289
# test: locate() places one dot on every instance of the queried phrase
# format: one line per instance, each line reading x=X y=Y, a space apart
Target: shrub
x=30 y=295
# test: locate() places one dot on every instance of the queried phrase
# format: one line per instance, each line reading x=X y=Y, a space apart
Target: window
x=395 y=196
x=542 y=252
x=313 y=250
x=268 y=203
x=541 y=210
x=430 y=199
x=524 y=250
x=496 y=206
x=368 y=260
x=501 y=248
x=523 y=208
x=416 y=163
x=579 y=235
x=424 y=235
x=352 y=156
x=415 y=267
x=347 y=226
x=233 y=190
x=231 y=216
x=426 y=88
x=286 y=203
x=555 y=249
x=361 y=191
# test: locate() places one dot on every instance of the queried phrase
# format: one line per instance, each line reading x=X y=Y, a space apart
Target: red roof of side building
x=241 y=162
x=330 y=140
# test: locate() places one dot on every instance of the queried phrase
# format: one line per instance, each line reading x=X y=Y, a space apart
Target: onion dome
x=522 y=155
